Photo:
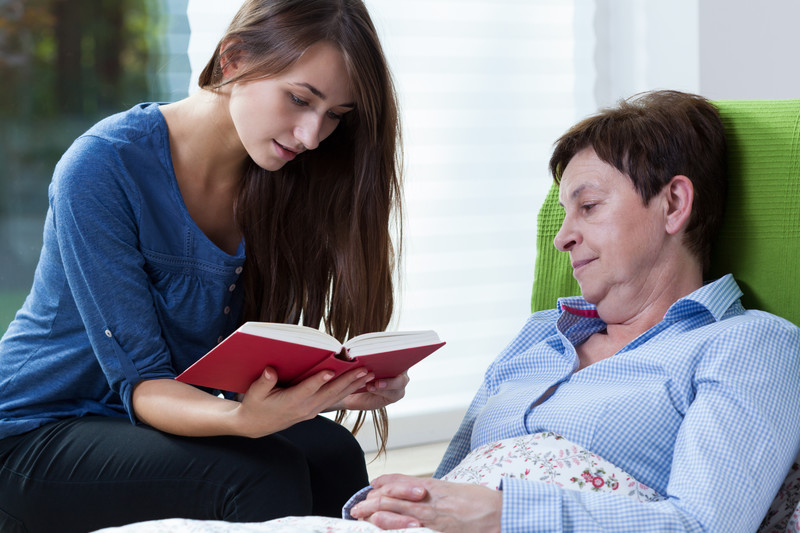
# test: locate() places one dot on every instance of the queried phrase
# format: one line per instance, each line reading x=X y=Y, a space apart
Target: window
x=65 y=65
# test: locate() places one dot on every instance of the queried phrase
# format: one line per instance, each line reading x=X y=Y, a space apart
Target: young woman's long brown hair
x=318 y=233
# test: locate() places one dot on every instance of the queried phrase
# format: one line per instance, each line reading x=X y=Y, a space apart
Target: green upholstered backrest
x=760 y=237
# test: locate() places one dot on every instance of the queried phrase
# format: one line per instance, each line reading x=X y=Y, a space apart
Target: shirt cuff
x=359 y=496
x=530 y=506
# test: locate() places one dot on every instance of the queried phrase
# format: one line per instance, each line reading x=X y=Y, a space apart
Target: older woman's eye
x=587 y=207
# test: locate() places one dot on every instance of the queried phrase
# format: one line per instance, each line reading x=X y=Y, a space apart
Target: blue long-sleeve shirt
x=127 y=287
x=704 y=408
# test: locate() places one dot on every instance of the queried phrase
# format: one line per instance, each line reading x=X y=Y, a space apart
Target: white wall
x=749 y=49
x=722 y=49
x=644 y=45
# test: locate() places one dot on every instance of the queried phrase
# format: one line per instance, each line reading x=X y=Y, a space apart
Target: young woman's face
x=279 y=117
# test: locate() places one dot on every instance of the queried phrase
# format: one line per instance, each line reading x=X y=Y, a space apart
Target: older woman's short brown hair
x=652 y=137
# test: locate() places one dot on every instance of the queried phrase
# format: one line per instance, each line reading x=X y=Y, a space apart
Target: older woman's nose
x=566 y=238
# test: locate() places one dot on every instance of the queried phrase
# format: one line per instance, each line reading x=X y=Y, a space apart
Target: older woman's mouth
x=581 y=263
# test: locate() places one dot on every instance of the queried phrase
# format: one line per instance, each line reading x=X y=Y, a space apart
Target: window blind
x=485 y=87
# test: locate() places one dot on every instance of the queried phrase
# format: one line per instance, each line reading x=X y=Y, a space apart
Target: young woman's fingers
x=389 y=384
x=337 y=388
x=261 y=387
x=322 y=392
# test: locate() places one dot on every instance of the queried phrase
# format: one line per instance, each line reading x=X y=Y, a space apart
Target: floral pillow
x=549 y=458
x=784 y=513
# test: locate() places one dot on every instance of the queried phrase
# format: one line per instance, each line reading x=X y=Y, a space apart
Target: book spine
x=344 y=354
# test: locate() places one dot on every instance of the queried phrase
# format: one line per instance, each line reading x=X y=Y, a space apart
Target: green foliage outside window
x=64 y=64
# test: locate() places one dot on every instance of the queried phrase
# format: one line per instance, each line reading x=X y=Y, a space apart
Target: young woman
x=267 y=195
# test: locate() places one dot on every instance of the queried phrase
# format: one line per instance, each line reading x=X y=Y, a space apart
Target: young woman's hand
x=266 y=408
x=398 y=502
x=379 y=393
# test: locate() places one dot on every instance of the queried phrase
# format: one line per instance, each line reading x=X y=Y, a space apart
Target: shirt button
x=108 y=333
x=239 y=270
x=227 y=310
x=232 y=287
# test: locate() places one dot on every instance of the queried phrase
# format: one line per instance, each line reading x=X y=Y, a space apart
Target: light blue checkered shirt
x=704 y=408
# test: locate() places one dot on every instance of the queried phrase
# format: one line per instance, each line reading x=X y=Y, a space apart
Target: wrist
x=338 y=406
x=241 y=424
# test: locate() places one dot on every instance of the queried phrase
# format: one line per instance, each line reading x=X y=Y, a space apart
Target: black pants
x=83 y=474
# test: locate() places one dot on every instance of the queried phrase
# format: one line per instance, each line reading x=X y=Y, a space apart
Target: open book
x=296 y=352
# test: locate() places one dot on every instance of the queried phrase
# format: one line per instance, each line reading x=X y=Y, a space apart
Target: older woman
x=656 y=371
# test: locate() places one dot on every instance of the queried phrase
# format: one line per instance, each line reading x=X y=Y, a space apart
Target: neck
x=637 y=311
x=203 y=141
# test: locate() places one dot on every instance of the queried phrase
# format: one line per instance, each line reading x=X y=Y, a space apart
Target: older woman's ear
x=679 y=196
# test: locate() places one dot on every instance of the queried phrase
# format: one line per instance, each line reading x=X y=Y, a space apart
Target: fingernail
x=417 y=491
x=361 y=374
x=328 y=376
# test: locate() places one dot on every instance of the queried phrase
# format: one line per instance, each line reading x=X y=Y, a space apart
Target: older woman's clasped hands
x=398 y=501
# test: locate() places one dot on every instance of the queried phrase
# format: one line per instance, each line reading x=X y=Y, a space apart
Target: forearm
x=182 y=409
x=530 y=505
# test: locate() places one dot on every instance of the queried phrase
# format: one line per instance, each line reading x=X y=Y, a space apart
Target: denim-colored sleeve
x=96 y=214
x=737 y=440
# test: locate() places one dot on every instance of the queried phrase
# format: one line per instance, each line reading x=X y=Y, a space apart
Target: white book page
x=292 y=333
x=389 y=340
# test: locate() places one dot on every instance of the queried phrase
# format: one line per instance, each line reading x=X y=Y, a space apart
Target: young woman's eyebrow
x=316 y=92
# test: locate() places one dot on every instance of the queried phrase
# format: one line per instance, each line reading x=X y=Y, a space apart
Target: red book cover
x=235 y=363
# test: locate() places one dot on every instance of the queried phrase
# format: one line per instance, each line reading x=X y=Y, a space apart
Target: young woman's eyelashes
x=296 y=100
